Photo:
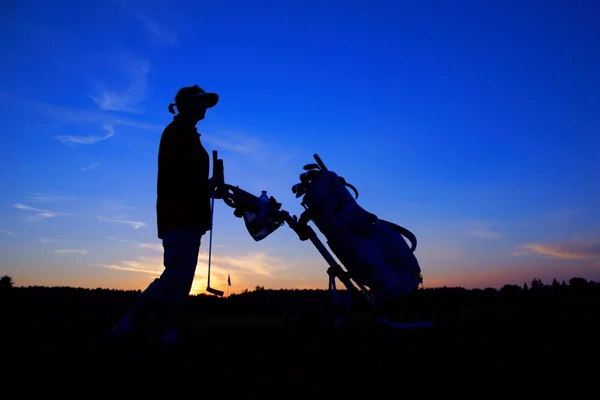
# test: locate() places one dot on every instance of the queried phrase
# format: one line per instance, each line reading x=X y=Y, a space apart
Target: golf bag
x=374 y=251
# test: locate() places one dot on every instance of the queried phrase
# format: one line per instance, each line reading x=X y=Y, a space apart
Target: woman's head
x=193 y=101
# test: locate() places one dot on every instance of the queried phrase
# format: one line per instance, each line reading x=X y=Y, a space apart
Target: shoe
x=122 y=338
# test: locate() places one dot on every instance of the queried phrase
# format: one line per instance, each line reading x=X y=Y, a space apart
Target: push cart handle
x=214 y=159
x=320 y=162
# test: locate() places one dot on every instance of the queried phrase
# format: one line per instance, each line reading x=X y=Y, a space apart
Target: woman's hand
x=215 y=182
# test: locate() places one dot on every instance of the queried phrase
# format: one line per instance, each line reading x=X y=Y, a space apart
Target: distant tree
x=259 y=288
x=6 y=282
x=510 y=289
x=555 y=283
x=577 y=282
x=525 y=287
x=537 y=284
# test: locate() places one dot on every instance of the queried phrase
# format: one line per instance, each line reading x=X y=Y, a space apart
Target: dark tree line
x=577 y=292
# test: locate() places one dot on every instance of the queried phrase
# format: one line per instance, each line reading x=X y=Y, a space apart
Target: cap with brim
x=210 y=99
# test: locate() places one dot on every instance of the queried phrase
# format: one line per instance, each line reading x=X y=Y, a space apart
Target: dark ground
x=491 y=353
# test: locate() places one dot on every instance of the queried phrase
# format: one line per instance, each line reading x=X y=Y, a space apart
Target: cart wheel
x=317 y=327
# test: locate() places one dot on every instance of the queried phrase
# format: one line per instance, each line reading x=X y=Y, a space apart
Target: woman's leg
x=165 y=297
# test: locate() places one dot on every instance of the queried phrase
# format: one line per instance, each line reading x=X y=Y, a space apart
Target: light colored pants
x=166 y=296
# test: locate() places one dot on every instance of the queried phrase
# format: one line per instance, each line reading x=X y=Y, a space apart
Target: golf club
x=212 y=212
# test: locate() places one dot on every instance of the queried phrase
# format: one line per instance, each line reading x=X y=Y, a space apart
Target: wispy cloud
x=151 y=246
x=6 y=231
x=123 y=240
x=90 y=167
x=135 y=72
x=261 y=263
x=256 y=263
x=483 y=230
x=47 y=240
x=45 y=198
x=248 y=269
x=69 y=139
x=270 y=152
x=133 y=224
x=70 y=251
x=144 y=265
x=40 y=213
x=70 y=115
x=486 y=234
x=574 y=250
x=159 y=33
x=245 y=146
x=114 y=206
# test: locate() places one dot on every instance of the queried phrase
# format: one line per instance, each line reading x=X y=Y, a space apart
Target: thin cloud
x=261 y=152
x=90 y=167
x=45 y=198
x=256 y=264
x=64 y=114
x=68 y=139
x=40 y=213
x=482 y=229
x=133 y=224
x=46 y=240
x=260 y=263
x=159 y=33
x=114 y=207
x=123 y=240
x=136 y=75
x=151 y=246
x=486 y=234
x=239 y=147
x=70 y=251
x=6 y=231
x=144 y=265
x=570 y=251
x=246 y=270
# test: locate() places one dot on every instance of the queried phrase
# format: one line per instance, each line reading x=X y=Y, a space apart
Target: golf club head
x=308 y=167
x=313 y=174
x=214 y=291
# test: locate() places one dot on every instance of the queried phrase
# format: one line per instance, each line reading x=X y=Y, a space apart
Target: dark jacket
x=183 y=166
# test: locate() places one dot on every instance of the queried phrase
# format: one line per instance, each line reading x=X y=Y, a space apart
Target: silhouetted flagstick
x=228 y=284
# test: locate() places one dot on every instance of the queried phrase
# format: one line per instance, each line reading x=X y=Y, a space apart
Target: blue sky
x=474 y=125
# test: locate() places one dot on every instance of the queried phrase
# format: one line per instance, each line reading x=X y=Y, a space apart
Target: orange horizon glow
x=495 y=279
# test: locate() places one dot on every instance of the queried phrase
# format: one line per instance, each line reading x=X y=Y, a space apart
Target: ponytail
x=171 y=108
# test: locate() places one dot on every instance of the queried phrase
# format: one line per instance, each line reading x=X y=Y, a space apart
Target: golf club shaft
x=212 y=208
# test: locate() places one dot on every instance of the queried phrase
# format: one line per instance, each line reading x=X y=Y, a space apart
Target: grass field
x=501 y=353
